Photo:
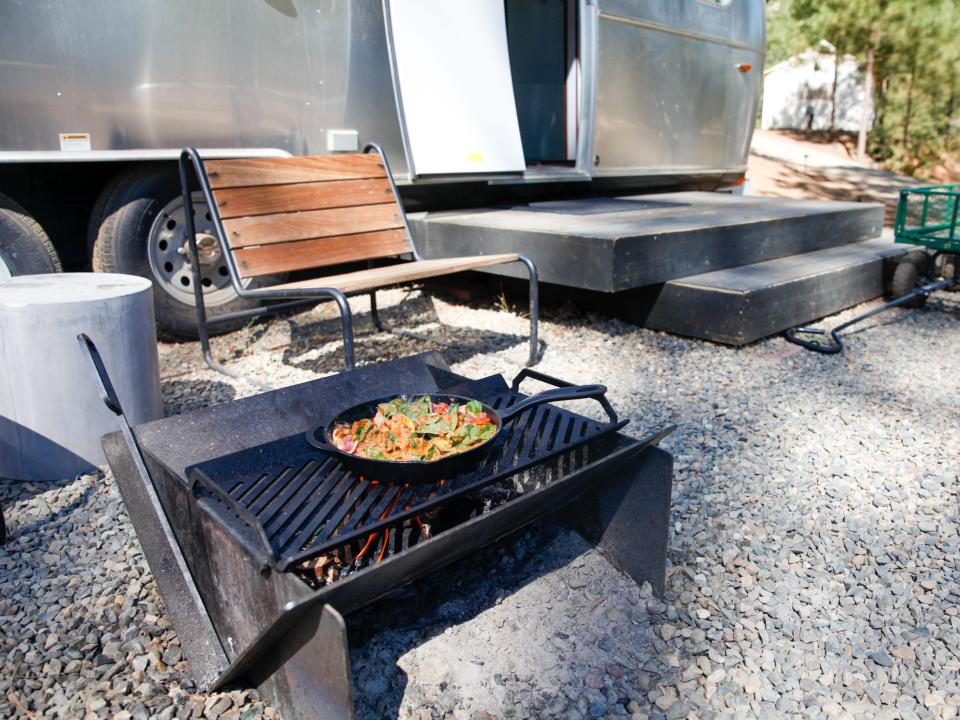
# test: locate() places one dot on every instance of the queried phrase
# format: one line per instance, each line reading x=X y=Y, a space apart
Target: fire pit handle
x=104 y=386
x=573 y=392
x=550 y=380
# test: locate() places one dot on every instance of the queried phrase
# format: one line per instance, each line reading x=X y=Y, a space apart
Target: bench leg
x=347 y=322
x=375 y=315
x=202 y=322
x=534 y=310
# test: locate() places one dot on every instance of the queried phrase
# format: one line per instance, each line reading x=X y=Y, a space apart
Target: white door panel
x=453 y=71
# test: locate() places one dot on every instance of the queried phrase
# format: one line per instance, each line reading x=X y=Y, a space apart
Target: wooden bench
x=278 y=215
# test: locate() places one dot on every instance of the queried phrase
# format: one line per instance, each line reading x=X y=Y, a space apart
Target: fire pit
x=260 y=542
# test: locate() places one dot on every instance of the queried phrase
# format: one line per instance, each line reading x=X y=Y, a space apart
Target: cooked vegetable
x=416 y=430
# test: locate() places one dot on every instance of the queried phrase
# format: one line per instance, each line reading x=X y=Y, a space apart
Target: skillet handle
x=564 y=393
x=316 y=438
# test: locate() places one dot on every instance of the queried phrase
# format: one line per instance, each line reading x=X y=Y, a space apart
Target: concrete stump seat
x=51 y=416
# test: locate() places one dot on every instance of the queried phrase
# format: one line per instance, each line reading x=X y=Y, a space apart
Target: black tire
x=905 y=279
x=25 y=248
x=120 y=228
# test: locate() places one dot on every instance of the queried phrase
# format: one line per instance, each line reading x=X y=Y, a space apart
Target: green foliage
x=916 y=45
x=785 y=36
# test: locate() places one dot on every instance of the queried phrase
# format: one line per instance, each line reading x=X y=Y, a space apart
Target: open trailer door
x=451 y=70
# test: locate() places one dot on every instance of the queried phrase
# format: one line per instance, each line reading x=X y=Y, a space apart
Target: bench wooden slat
x=286 y=257
x=311 y=224
x=267 y=199
x=244 y=172
x=399 y=273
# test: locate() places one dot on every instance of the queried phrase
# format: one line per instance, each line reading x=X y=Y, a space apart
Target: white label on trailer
x=456 y=90
x=73 y=142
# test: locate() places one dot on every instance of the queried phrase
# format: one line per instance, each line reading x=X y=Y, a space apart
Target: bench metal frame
x=294 y=297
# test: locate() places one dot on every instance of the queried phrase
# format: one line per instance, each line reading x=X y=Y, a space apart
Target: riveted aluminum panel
x=671 y=92
x=136 y=74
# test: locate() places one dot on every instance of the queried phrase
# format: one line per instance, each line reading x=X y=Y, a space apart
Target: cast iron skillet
x=415 y=471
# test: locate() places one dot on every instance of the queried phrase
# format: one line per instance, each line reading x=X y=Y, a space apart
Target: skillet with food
x=424 y=438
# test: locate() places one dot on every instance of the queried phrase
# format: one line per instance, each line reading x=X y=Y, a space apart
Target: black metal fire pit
x=260 y=542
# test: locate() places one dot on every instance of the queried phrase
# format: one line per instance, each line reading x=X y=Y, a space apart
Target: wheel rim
x=5 y=272
x=167 y=252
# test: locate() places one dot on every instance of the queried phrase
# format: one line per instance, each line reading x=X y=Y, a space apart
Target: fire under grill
x=260 y=542
x=311 y=513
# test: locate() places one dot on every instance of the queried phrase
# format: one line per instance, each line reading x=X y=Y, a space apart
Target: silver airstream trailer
x=513 y=97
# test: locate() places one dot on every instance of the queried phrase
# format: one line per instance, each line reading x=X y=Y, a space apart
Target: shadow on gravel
x=382 y=634
x=180 y=396
x=12 y=491
x=455 y=343
x=15 y=491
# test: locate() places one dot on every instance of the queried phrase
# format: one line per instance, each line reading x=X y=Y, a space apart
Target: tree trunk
x=833 y=94
x=909 y=110
x=867 y=109
x=952 y=98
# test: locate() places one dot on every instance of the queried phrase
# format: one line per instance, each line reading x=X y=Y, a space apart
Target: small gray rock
x=880 y=657
x=597 y=709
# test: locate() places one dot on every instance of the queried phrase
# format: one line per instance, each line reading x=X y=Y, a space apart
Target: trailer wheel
x=25 y=248
x=905 y=278
x=140 y=230
x=947 y=266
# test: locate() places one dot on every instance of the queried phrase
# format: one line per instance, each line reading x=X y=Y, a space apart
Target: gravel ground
x=813 y=566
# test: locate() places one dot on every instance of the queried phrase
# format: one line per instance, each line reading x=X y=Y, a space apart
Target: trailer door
x=453 y=85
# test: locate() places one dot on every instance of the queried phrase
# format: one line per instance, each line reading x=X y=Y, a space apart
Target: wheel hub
x=168 y=252
x=208 y=250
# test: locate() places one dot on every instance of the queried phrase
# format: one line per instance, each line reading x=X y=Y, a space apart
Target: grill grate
x=303 y=503
x=399 y=536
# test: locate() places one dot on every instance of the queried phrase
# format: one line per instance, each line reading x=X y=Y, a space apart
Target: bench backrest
x=298 y=213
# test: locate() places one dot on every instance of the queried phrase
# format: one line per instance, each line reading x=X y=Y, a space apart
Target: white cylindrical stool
x=51 y=416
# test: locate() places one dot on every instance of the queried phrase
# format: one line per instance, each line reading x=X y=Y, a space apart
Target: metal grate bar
x=333 y=522
x=334 y=497
x=275 y=516
x=378 y=492
x=460 y=486
x=263 y=491
x=270 y=491
x=554 y=432
x=536 y=431
x=318 y=496
x=385 y=501
x=303 y=503
x=512 y=443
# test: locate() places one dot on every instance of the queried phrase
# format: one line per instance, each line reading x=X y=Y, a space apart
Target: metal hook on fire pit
x=180 y=595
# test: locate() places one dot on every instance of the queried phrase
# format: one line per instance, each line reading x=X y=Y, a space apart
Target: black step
x=739 y=305
x=621 y=243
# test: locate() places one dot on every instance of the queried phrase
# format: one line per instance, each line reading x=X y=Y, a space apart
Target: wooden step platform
x=739 y=305
x=615 y=244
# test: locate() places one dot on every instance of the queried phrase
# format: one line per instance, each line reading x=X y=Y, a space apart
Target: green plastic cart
x=927 y=217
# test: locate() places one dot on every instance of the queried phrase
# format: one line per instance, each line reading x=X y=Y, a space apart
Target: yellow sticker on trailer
x=73 y=142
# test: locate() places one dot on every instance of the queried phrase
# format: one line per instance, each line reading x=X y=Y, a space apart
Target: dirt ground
x=786 y=164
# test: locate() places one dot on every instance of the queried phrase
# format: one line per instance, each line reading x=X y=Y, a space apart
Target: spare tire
x=138 y=228
x=25 y=248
